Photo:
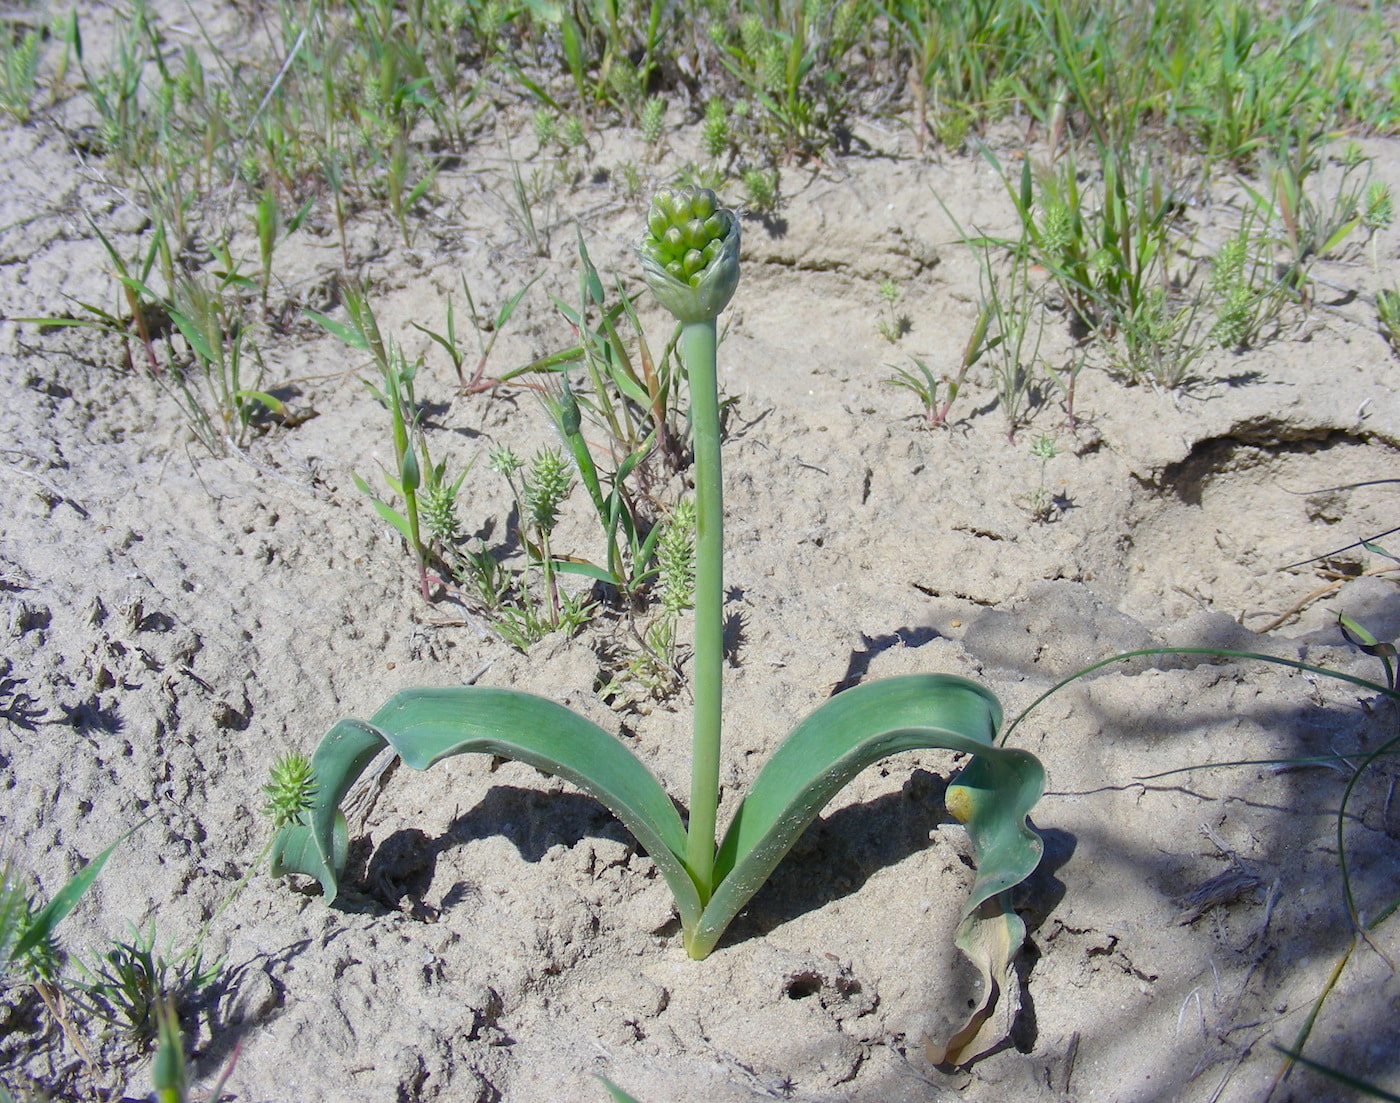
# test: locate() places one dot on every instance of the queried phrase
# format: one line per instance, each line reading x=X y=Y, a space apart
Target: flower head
x=690 y=254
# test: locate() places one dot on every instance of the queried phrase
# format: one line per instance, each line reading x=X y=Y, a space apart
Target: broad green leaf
x=424 y=726
x=992 y=795
x=856 y=729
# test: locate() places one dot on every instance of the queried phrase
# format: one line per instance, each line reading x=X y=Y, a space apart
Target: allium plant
x=690 y=256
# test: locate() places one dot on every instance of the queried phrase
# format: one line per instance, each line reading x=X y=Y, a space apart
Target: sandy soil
x=176 y=621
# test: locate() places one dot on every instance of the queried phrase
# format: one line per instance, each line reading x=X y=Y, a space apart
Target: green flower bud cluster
x=690 y=253
x=685 y=246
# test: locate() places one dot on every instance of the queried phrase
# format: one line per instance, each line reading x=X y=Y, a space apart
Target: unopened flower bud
x=690 y=254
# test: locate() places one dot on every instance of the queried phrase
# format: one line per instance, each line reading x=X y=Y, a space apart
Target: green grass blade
x=618 y=1095
x=351 y=336
x=1353 y=1082
x=66 y=899
x=424 y=726
x=1215 y=652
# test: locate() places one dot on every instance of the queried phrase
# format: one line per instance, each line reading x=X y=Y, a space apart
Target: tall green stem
x=697 y=347
x=690 y=259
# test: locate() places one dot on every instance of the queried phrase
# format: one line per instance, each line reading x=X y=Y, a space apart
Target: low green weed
x=925 y=384
x=761 y=189
x=653 y=122
x=487 y=331
x=1388 y=316
x=1041 y=503
x=19 y=69
x=526 y=605
x=29 y=950
x=1239 y=285
x=1304 y=217
x=792 y=71
x=969 y=64
x=1108 y=251
x=214 y=373
x=412 y=461
x=1163 y=338
x=651 y=668
x=1015 y=328
x=891 y=325
x=521 y=205
x=127 y=983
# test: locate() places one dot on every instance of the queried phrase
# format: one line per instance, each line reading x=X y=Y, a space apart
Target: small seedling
x=1017 y=325
x=478 y=381
x=527 y=605
x=573 y=135
x=762 y=190
x=891 y=324
x=690 y=258
x=653 y=121
x=412 y=462
x=651 y=668
x=1042 y=499
x=1232 y=287
x=546 y=127
x=29 y=950
x=127 y=984
x=714 y=134
x=1388 y=316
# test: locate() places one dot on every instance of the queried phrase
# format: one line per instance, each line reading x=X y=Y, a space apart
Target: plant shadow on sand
x=1267 y=828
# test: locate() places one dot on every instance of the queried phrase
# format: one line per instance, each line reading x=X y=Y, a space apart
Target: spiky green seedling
x=1380 y=208
x=675 y=559
x=690 y=254
x=290 y=790
x=653 y=120
x=546 y=487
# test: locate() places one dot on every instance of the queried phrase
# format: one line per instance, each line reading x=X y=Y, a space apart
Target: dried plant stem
x=1321 y=592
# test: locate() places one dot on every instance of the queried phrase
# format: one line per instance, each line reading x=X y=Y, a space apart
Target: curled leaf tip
x=958 y=801
x=690 y=253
